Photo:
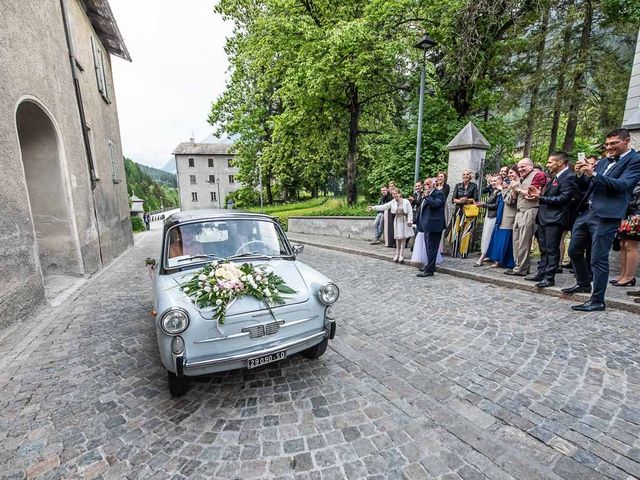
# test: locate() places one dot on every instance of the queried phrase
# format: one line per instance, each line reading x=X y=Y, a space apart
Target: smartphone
x=582 y=157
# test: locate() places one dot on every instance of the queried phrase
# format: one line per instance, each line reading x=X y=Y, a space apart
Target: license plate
x=264 y=359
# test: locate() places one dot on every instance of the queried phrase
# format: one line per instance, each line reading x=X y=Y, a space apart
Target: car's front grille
x=258 y=331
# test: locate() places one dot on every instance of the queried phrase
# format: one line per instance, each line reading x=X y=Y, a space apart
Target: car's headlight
x=174 y=321
x=329 y=293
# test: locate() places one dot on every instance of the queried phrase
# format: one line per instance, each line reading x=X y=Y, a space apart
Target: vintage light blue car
x=191 y=340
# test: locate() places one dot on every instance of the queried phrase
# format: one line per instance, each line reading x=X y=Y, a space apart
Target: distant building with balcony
x=205 y=174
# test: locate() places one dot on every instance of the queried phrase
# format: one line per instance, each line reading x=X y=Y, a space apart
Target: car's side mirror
x=298 y=249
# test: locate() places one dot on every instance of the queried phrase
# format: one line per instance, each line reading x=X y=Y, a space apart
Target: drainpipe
x=83 y=119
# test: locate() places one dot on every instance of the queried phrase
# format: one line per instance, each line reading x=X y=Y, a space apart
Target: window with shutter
x=194 y=196
x=192 y=179
x=191 y=162
x=213 y=196
x=231 y=179
x=98 y=62
x=212 y=179
x=210 y=162
x=115 y=173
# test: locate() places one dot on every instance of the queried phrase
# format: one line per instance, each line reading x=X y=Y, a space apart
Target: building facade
x=64 y=195
x=205 y=174
x=632 y=107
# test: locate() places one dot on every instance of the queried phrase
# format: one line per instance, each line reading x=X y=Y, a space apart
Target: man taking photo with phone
x=607 y=186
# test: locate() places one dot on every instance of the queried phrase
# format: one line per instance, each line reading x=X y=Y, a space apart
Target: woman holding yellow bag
x=465 y=194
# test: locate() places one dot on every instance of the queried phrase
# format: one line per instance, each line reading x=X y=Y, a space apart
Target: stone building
x=63 y=195
x=205 y=175
x=632 y=108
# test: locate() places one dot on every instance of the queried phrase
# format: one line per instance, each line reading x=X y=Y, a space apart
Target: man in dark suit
x=432 y=223
x=608 y=189
x=553 y=216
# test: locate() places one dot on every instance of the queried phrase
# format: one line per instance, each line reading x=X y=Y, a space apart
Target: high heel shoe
x=401 y=260
x=630 y=283
x=613 y=282
x=395 y=259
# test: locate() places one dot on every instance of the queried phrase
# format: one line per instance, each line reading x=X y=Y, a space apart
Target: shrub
x=137 y=225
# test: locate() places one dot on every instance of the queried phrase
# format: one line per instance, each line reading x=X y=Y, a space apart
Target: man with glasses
x=607 y=186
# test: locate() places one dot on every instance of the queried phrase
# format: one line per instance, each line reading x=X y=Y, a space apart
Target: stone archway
x=49 y=199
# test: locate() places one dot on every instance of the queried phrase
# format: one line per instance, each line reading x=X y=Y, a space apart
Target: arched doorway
x=49 y=198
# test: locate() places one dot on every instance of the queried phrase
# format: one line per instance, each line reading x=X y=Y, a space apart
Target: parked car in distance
x=190 y=339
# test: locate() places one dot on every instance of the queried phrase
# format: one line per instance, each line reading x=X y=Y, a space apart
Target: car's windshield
x=217 y=239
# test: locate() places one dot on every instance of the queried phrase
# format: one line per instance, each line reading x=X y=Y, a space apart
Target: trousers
x=523 y=230
x=597 y=233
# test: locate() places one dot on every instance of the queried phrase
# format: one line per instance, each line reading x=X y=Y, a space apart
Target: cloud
x=178 y=68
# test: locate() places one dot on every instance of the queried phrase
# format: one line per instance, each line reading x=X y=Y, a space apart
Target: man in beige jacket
x=525 y=222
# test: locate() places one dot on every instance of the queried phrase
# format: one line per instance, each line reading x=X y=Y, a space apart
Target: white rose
x=202 y=277
x=212 y=273
x=267 y=292
x=185 y=289
x=243 y=278
x=216 y=288
x=207 y=289
x=218 y=302
x=200 y=284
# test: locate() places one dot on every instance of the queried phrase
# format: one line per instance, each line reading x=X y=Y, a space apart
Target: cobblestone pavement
x=427 y=378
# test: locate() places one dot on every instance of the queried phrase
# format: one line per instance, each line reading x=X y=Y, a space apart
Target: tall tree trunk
x=352 y=152
x=537 y=78
x=577 y=88
x=269 y=191
x=560 y=85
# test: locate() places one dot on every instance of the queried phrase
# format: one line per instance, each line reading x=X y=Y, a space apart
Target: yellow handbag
x=470 y=210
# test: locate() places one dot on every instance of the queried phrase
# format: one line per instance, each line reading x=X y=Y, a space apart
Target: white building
x=631 y=119
x=205 y=175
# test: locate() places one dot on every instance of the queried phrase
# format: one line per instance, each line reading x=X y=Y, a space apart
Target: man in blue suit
x=607 y=186
x=431 y=223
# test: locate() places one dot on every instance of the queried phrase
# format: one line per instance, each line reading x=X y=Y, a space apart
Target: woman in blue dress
x=501 y=245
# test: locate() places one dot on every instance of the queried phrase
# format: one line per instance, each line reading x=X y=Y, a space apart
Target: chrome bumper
x=183 y=365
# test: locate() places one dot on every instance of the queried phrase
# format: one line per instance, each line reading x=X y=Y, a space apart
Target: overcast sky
x=178 y=68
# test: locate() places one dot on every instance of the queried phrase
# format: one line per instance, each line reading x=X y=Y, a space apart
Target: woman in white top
x=402 y=223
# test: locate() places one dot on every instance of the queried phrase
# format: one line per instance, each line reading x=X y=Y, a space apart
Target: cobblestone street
x=427 y=378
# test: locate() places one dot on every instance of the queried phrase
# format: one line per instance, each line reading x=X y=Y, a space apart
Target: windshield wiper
x=202 y=255
x=247 y=254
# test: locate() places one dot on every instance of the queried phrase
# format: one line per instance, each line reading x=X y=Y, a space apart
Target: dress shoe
x=613 y=282
x=634 y=294
x=477 y=264
x=566 y=265
x=577 y=289
x=559 y=270
x=401 y=260
x=545 y=283
x=375 y=242
x=630 y=283
x=534 y=278
x=425 y=274
x=513 y=273
x=588 y=306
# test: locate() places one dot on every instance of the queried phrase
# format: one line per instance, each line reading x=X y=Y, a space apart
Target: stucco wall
x=34 y=65
x=201 y=170
x=360 y=228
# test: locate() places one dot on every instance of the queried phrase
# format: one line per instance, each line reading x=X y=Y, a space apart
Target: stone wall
x=359 y=228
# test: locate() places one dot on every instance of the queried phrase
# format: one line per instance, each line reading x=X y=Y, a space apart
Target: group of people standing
x=597 y=200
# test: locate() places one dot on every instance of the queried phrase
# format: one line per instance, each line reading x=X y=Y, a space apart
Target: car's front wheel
x=178 y=386
x=317 y=350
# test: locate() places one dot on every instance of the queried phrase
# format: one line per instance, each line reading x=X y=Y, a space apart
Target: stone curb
x=479 y=277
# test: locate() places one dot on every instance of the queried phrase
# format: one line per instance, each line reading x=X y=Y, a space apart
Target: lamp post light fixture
x=425 y=43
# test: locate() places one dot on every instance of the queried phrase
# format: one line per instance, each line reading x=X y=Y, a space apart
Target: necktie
x=613 y=159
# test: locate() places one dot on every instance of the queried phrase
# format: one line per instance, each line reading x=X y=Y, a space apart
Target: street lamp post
x=424 y=43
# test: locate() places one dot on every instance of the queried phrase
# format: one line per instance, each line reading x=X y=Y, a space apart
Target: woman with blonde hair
x=402 y=222
x=465 y=194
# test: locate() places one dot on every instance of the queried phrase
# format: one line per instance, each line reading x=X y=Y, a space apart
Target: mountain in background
x=170 y=166
x=155 y=193
x=160 y=176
